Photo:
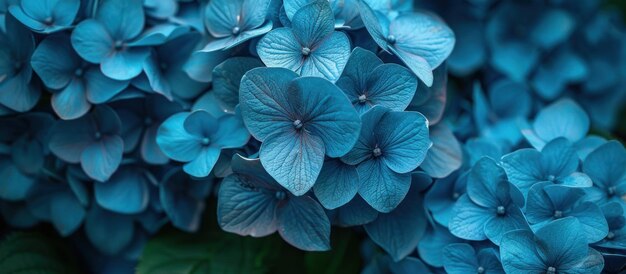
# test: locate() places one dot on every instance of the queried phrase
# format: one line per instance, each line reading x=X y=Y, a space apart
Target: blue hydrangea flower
x=390 y=146
x=198 y=137
x=93 y=140
x=547 y=202
x=606 y=166
x=421 y=40
x=431 y=246
x=559 y=247
x=16 y=47
x=46 y=16
x=490 y=208
x=57 y=203
x=183 y=198
x=75 y=84
x=614 y=214
x=142 y=118
x=368 y=82
x=399 y=231
x=233 y=22
x=562 y=68
x=163 y=69
x=563 y=118
x=310 y=47
x=299 y=120
x=251 y=202
x=463 y=258
x=556 y=163
x=108 y=39
x=470 y=49
x=442 y=197
x=517 y=40
x=497 y=115
x=23 y=151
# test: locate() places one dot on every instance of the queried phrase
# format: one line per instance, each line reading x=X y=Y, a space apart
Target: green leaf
x=342 y=258
x=212 y=250
x=34 y=253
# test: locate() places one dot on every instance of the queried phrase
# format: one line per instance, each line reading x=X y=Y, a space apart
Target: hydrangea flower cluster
x=454 y=135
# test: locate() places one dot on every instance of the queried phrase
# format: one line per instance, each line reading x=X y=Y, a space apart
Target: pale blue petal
x=123 y=19
x=404 y=140
x=468 y=220
x=203 y=163
x=381 y=187
x=175 y=141
x=293 y=158
x=124 y=64
x=264 y=101
x=563 y=118
x=92 y=41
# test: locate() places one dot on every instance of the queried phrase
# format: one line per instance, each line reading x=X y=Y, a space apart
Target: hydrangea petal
x=403 y=140
x=293 y=158
x=445 y=156
x=337 y=184
x=468 y=220
x=203 y=163
x=92 y=41
x=399 y=231
x=126 y=192
x=175 y=141
x=101 y=158
x=303 y=224
x=381 y=187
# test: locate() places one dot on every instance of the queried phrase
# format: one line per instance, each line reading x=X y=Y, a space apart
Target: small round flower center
x=551 y=270
x=558 y=214
x=306 y=51
x=391 y=39
x=148 y=121
x=79 y=72
x=611 y=191
x=206 y=141
x=610 y=235
x=456 y=195
x=480 y=270
x=551 y=178
x=362 y=98
x=297 y=124
x=97 y=135
x=377 y=152
x=119 y=44
x=280 y=195
x=163 y=66
x=48 y=21
x=236 y=30
x=18 y=65
x=500 y=210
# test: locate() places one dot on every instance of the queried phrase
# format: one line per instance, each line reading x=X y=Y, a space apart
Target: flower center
x=236 y=30
x=119 y=45
x=391 y=39
x=558 y=214
x=611 y=191
x=362 y=98
x=480 y=270
x=500 y=210
x=147 y=121
x=551 y=178
x=48 y=21
x=455 y=195
x=610 y=235
x=18 y=65
x=79 y=72
x=297 y=124
x=97 y=135
x=206 y=141
x=306 y=51
x=163 y=66
x=281 y=195
x=551 y=270
x=377 y=152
